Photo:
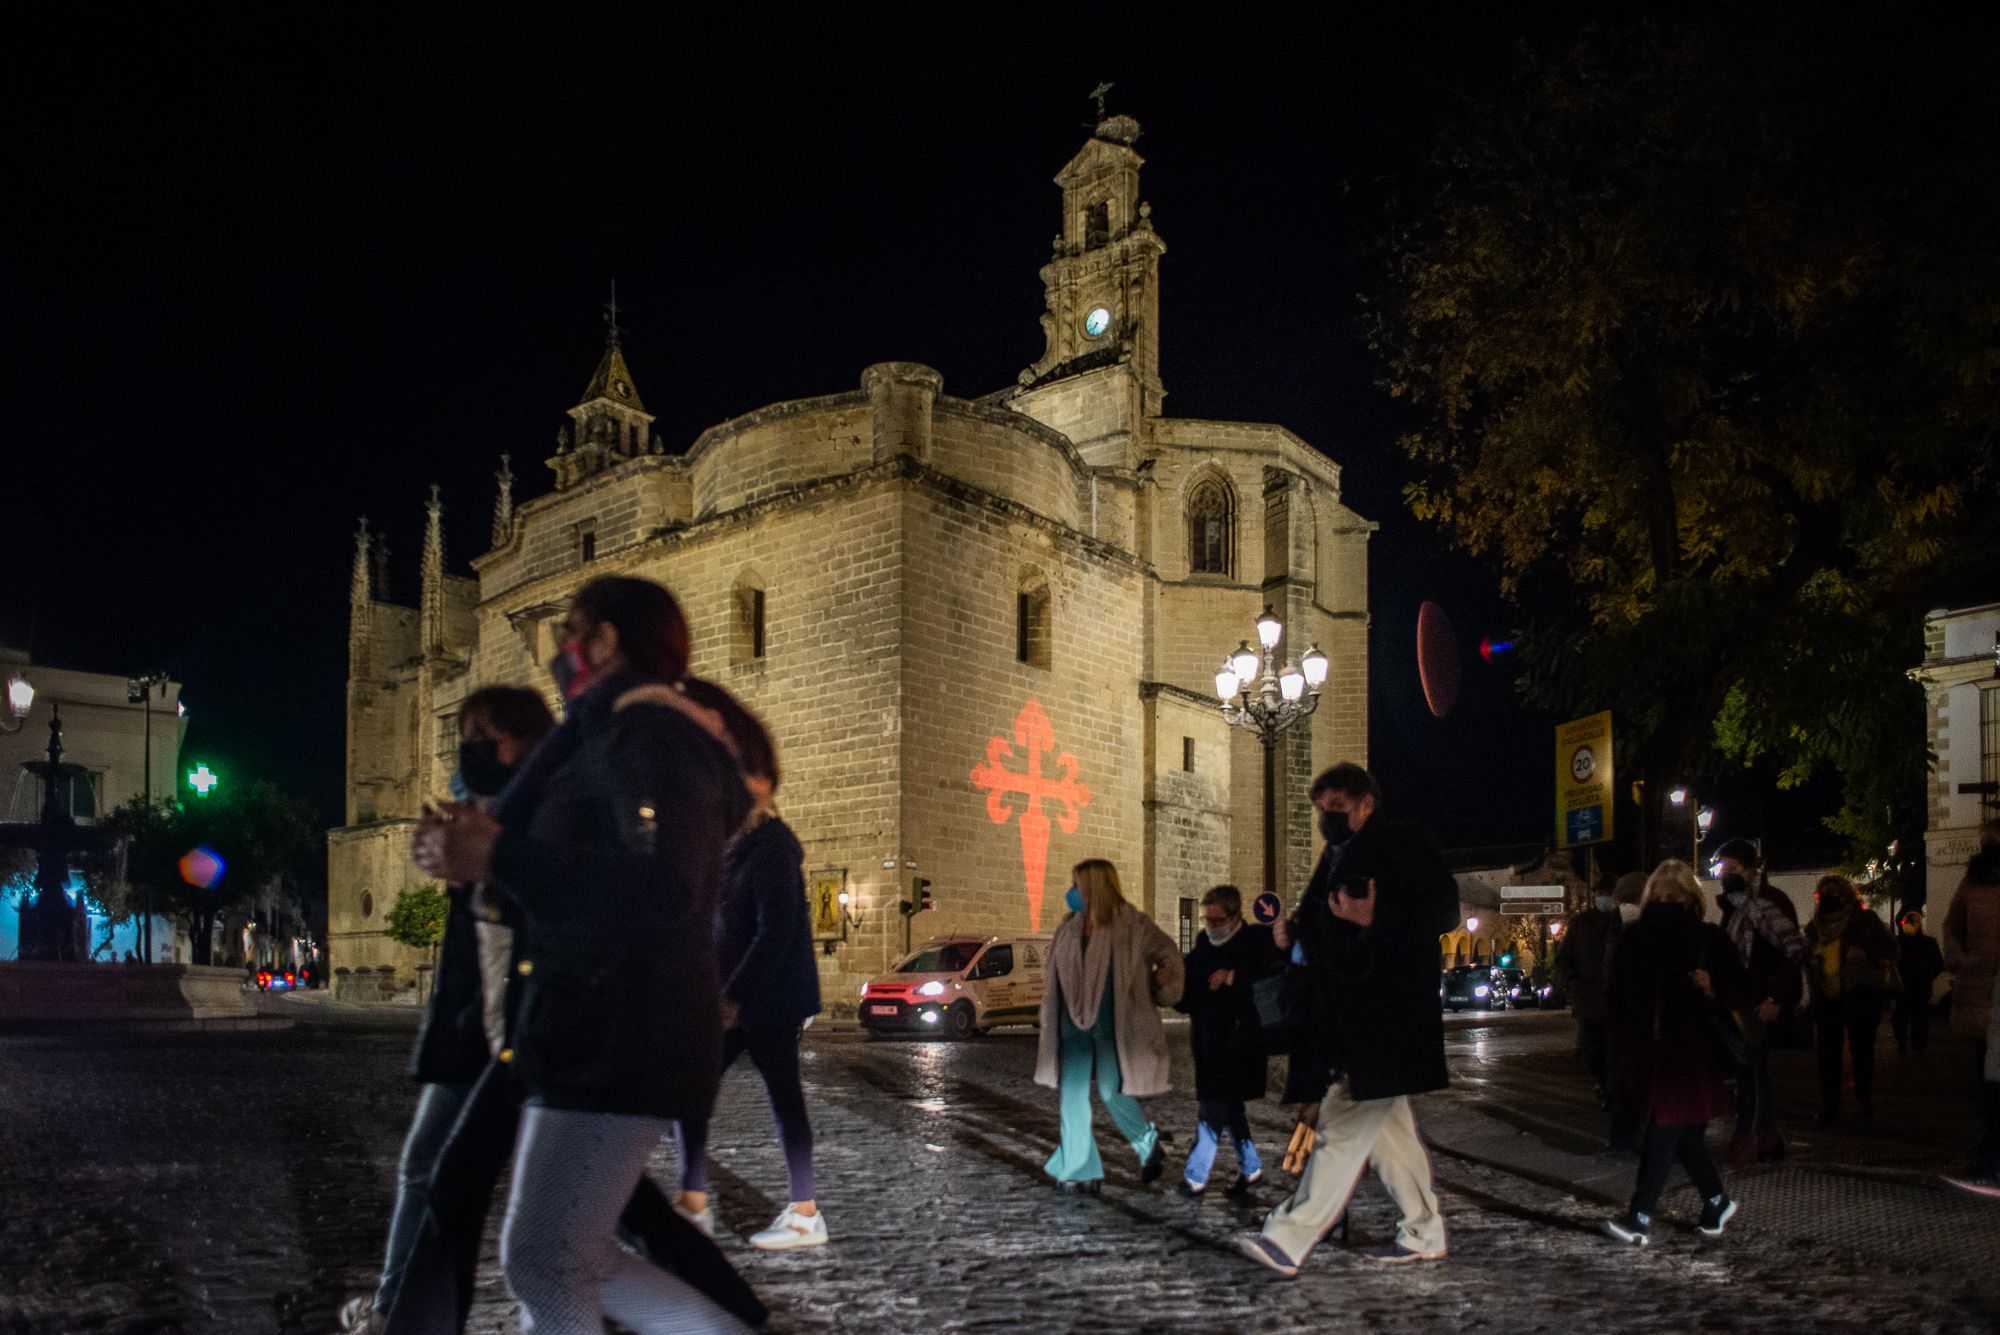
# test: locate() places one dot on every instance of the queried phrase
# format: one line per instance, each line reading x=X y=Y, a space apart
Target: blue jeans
x=1079 y=1052
x=1218 y=1119
x=437 y=1110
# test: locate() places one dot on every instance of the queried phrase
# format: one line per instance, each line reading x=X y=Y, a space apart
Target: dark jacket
x=616 y=860
x=1583 y=962
x=1667 y=1070
x=1372 y=1003
x=1229 y=1061
x=451 y=1045
x=1920 y=961
x=1861 y=983
x=763 y=930
x=1771 y=974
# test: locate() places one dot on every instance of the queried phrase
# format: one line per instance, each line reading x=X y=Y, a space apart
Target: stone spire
x=430 y=604
x=610 y=424
x=503 y=503
x=360 y=596
x=360 y=589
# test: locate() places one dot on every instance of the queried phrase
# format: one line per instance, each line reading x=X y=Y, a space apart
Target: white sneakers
x=792 y=1229
x=703 y=1219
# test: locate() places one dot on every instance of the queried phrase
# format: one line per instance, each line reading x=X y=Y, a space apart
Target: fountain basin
x=53 y=996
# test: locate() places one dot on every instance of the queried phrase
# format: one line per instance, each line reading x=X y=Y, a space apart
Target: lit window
x=1210 y=527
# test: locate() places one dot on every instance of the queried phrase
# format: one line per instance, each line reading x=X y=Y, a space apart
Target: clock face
x=623 y=390
x=1095 y=323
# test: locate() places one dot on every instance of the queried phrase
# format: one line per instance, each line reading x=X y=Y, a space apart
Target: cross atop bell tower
x=1102 y=284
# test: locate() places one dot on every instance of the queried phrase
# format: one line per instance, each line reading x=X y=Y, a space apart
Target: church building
x=984 y=631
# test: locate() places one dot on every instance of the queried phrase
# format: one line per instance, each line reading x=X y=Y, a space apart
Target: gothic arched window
x=1211 y=512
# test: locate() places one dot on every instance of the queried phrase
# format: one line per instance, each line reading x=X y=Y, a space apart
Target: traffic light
x=1507 y=960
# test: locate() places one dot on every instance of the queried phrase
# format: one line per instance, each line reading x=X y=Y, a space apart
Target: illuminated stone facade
x=982 y=630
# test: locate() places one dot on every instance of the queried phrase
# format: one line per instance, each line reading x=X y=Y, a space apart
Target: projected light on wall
x=1035 y=736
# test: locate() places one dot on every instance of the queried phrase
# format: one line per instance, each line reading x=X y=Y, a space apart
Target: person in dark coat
x=1583 y=971
x=1230 y=1065
x=1765 y=929
x=498 y=728
x=1670 y=973
x=1919 y=960
x=770 y=984
x=614 y=851
x=1375 y=1032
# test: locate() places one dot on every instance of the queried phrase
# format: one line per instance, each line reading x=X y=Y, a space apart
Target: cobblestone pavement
x=240 y=1183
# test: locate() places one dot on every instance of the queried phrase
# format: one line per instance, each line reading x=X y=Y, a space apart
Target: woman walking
x=1110 y=969
x=612 y=845
x=1764 y=927
x=1672 y=979
x=1230 y=1067
x=770 y=985
x=1849 y=952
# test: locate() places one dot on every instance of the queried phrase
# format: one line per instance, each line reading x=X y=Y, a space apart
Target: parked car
x=1474 y=987
x=959 y=986
x=1522 y=991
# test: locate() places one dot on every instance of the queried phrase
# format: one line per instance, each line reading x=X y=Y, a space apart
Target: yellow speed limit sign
x=1583 y=780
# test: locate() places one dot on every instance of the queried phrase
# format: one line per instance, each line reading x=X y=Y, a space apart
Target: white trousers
x=1377 y=1133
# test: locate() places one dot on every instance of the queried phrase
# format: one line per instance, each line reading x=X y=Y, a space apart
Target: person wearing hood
x=1230 y=1066
x=1671 y=970
x=1850 y=956
x=612 y=844
x=1920 y=962
x=1110 y=970
x=1764 y=927
x=463 y=1024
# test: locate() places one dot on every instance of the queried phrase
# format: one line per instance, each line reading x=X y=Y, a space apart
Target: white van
x=959 y=986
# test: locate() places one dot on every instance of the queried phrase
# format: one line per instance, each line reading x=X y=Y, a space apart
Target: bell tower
x=1102 y=296
x=609 y=424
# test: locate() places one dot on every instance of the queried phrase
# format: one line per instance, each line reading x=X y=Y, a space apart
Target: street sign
x=1531 y=892
x=1522 y=908
x=1583 y=780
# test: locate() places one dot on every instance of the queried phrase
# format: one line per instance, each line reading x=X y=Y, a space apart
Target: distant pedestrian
x=1764 y=927
x=1673 y=980
x=1372 y=1028
x=1850 y=955
x=1230 y=1063
x=499 y=727
x=1972 y=934
x=1110 y=970
x=1920 y=962
x=770 y=982
x=1583 y=972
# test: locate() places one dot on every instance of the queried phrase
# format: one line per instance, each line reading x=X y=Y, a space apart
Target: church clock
x=1095 y=323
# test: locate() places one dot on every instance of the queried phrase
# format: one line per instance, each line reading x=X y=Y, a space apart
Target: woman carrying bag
x=1110 y=970
x=1851 y=967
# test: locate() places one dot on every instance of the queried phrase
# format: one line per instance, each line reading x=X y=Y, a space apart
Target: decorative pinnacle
x=612 y=331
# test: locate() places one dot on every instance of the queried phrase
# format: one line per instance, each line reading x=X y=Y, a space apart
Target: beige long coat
x=1146 y=974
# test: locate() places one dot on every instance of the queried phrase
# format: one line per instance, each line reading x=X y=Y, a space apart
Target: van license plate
x=881 y=1010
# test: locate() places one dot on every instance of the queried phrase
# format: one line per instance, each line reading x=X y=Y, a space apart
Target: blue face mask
x=1074 y=899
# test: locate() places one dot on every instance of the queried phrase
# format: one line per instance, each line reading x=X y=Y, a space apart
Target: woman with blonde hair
x=1110 y=970
x=1670 y=970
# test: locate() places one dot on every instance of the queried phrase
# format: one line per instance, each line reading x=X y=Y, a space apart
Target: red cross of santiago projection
x=1034 y=733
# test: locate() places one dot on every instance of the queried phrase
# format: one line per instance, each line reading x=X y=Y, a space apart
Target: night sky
x=275 y=276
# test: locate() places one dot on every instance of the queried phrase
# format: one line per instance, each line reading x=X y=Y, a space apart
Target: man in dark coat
x=1230 y=1065
x=1919 y=961
x=1371 y=950
x=1583 y=971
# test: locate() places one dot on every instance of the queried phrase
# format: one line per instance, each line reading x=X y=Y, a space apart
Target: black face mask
x=1734 y=884
x=479 y=765
x=1334 y=827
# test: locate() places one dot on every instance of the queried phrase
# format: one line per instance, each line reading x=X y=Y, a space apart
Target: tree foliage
x=260 y=833
x=1700 y=325
x=417 y=917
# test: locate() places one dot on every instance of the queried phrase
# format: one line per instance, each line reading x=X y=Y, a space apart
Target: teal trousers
x=1080 y=1052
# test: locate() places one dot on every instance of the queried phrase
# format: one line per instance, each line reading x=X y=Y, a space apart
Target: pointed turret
x=360 y=599
x=360 y=587
x=503 y=503
x=610 y=425
x=430 y=599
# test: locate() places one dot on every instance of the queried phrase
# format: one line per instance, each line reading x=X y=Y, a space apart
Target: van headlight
x=931 y=989
x=1479 y=991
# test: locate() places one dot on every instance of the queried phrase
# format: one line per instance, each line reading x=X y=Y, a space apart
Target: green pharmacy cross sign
x=203 y=780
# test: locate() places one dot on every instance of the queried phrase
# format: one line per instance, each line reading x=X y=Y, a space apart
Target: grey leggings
x=573 y=1173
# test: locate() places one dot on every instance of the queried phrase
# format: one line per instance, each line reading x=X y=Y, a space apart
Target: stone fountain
x=55 y=984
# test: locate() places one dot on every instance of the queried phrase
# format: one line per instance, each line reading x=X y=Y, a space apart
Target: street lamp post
x=1267 y=703
x=139 y=691
x=20 y=700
